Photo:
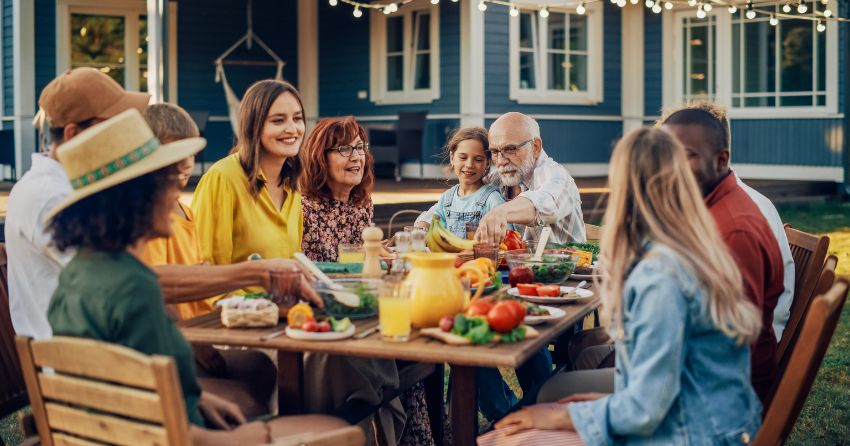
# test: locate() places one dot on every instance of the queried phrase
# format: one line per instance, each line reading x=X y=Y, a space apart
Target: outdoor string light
x=786 y=8
x=514 y=11
x=733 y=9
x=580 y=10
x=544 y=12
x=751 y=14
x=357 y=12
x=700 y=12
x=707 y=7
x=773 y=20
x=821 y=27
x=482 y=6
x=333 y=2
x=802 y=8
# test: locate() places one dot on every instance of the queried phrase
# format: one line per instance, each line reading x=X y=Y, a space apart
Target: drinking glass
x=417 y=240
x=409 y=229
x=285 y=287
x=486 y=250
x=471 y=228
x=394 y=311
x=349 y=253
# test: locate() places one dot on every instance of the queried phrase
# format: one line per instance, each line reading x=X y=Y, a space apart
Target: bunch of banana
x=440 y=239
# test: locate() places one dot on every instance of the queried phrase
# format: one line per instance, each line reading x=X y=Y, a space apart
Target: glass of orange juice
x=394 y=310
x=350 y=253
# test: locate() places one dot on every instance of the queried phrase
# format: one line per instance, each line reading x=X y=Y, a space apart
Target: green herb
x=478 y=330
x=368 y=303
x=590 y=247
x=459 y=327
x=553 y=273
x=497 y=280
x=257 y=296
x=515 y=335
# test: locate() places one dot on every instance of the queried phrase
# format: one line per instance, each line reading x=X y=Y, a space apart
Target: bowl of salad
x=365 y=289
x=553 y=268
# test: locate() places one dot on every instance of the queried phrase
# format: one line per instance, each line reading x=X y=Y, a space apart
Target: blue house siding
x=806 y=142
x=497 y=61
x=652 y=62
x=7 y=69
x=578 y=141
x=45 y=43
x=205 y=28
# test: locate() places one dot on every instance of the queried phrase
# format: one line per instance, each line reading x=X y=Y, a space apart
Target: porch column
x=308 y=59
x=156 y=49
x=632 y=67
x=471 y=65
x=23 y=63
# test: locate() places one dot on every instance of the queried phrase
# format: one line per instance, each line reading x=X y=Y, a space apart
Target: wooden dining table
x=462 y=360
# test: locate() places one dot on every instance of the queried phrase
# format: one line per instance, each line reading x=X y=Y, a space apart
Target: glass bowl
x=367 y=289
x=554 y=268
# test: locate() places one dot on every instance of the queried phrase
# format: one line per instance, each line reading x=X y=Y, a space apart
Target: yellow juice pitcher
x=436 y=290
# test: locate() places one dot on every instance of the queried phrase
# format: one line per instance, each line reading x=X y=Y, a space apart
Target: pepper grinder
x=372 y=252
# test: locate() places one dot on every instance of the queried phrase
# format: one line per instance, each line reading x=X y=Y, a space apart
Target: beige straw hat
x=116 y=151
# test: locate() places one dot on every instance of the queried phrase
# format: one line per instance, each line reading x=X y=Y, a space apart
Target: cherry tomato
x=549 y=290
x=447 y=323
x=479 y=307
x=310 y=326
x=520 y=275
x=458 y=262
x=324 y=326
x=502 y=318
x=527 y=289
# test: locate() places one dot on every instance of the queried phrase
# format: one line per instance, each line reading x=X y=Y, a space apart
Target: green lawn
x=825 y=419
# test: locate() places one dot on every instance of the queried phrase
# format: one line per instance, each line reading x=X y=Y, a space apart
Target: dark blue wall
x=807 y=142
x=652 y=62
x=8 y=81
x=45 y=44
x=205 y=28
x=497 y=54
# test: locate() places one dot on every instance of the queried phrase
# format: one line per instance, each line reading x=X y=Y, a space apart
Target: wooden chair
x=13 y=391
x=592 y=232
x=809 y=252
x=806 y=358
x=802 y=304
x=101 y=393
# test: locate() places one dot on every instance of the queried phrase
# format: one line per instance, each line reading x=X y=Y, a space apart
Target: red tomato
x=549 y=290
x=447 y=323
x=310 y=326
x=519 y=310
x=502 y=318
x=519 y=275
x=527 y=289
x=479 y=308
x=458 y=261
x=324 y=326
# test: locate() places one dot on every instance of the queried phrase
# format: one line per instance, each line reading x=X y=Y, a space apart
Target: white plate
x=302 y=335
x=587 y=277
x=582 y=294
x=554 y=313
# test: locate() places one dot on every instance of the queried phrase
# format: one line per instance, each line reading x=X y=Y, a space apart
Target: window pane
x=557 y=31
x=759 y=58
x=395 y=34
x=142 y=51
x=424 y=38
x=557 y=73
x=796 y=65
x=736 y=61
x=698 y=71
x=395 y=73
x=526 y=70
x=821 y=61
x=423 y=71
x=821 y=100
x=796 y=101
x=578 y=73
x=760 y=102
x=526 y=30
x=578 y=32
x=98 y=42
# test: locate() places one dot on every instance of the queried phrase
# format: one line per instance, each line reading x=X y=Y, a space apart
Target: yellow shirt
x=232 y=224
x=181 y=248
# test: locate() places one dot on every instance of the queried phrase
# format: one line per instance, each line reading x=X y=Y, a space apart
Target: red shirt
x=756 y=252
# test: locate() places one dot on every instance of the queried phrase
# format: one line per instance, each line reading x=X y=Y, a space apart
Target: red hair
x=328 y=134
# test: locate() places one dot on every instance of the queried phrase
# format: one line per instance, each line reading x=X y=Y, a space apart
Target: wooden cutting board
x=453 y=339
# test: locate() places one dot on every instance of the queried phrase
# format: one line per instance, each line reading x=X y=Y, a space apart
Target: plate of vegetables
x=546 y=294
x=538 y=314
x=301 y=323
x=485 y=321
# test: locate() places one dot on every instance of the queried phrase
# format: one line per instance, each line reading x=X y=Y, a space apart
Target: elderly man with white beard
x=540 y=192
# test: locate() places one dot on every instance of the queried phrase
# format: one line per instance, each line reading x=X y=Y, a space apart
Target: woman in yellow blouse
x=248 y=202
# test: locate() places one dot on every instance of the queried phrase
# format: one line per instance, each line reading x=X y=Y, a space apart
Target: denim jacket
x=679 y=380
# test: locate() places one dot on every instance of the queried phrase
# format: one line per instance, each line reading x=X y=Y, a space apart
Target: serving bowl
x=366 y=289
x=553 y=268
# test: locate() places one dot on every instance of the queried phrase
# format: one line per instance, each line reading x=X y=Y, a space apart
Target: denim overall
x=456 y=221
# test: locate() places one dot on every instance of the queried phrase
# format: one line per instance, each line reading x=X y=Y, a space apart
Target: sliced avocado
x=340 y=325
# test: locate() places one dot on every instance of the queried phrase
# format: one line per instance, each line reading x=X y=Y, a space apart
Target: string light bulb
x=387 y=10
x=668 y=6
x=580 y=10
x=802 y=8
x=827 y=13
x=482 y=6
x=544 y=12
x=786 y=8
x=634 y=2
x=514 y=11
x=649 y=4
x=700 y=12
x=733 y=9
x=333 y=2
x=621 y=3
x=707 y=7
x=692 y=2
x=656 y=8
x=773 y=20
x=435 y=2
x=357 y=13
x=821 y=27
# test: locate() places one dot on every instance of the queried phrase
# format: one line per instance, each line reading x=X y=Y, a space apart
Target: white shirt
x=783 y=306
x=34 y=264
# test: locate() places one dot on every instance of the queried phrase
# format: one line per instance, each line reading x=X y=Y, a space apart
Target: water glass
x=471 y=228
x=486 y=250
x=349 y=253
x=394 y=311
x=285 y=287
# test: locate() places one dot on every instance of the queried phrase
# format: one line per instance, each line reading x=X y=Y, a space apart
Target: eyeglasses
x=510 y=149
x=347 y=150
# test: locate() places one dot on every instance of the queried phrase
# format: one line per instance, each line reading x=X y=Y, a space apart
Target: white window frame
x=673 y=67
x=378 y=52
x=541 y=94
x=130 y=10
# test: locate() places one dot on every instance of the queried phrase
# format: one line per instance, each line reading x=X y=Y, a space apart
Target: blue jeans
x=495 y=398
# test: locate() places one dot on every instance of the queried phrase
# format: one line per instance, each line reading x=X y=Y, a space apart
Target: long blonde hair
x=655 y=197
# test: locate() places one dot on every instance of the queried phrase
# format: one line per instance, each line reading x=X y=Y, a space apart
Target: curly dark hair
x=115 y=218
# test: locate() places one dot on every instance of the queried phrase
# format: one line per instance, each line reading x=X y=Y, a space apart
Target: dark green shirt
x=113 y=297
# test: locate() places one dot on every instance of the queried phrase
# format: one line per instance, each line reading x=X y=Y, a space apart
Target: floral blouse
x=329 y=223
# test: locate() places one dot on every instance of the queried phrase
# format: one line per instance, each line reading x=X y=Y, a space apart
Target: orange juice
x=394 y=318
x=351 y=257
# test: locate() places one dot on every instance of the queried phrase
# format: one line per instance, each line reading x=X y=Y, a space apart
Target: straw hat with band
x=115 y=151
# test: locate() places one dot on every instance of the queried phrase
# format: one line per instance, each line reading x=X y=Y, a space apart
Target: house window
x=557 y=59
x=100 y=41
x=755 y=68
x=405 y=55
